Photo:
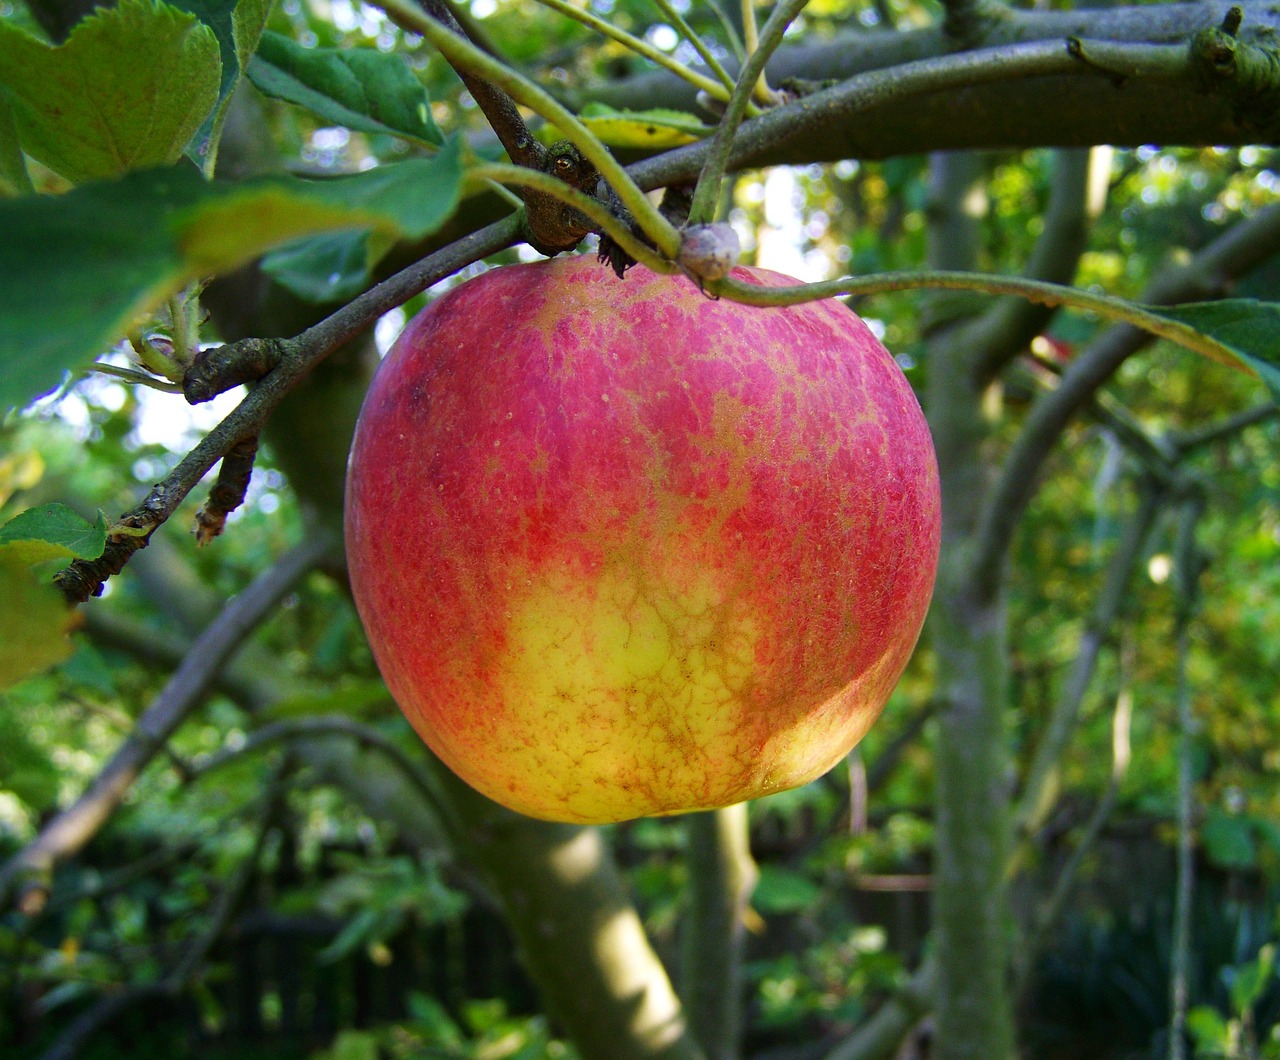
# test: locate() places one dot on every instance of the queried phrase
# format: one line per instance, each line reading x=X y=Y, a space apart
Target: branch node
x=85 y=577
x=552 y=226
x=222 y=368
x=1246 y=73
x=228 y=491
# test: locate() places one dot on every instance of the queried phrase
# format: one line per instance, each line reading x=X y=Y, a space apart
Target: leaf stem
x=506 y=194
x=614 y=227
x=715 y=89
x=730 y=30
x=751 y=44
x=750 y=33
x=462 y=53
x=132 y=375
x=1039 y=291
x=691 y=35
x=706 y=196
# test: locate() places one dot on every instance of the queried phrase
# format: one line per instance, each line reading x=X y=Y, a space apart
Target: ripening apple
x=622 y=550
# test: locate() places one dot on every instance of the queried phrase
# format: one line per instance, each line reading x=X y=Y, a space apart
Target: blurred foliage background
x=322 y=931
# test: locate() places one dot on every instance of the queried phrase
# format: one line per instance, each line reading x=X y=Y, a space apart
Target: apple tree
x=216 y=216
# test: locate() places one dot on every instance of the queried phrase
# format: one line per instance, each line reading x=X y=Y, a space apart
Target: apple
x=621 y=550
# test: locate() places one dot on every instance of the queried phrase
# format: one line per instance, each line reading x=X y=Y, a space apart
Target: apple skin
x=621 y=550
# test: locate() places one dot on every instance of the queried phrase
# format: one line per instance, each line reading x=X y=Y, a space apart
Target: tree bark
x=722 y=876
x=973 y=1006
x=1078 y=108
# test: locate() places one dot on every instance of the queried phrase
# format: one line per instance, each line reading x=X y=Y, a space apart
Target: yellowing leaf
x=658 y=128
x=34 y=620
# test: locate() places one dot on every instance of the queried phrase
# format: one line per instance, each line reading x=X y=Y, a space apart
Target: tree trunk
x=973 y=1010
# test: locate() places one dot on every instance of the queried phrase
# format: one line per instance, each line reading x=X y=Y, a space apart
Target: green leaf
x=1247 y=330
x=328 y=268
x=25 y=768
x=433 y=1020
x=237 y=26
x=780 y=891
x=658 y=127
x=52 y=531
x=14 y=178
x=1229 y=841
x=1250 y=980
x=360 y=88
x=355 y=699
x=33 y=622
x=365 y=926
x=355 y=1045
x=127 y=90
x=1209 y=1030
x=161 y=229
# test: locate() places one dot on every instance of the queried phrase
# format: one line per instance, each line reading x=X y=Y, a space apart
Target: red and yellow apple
x=622 y=550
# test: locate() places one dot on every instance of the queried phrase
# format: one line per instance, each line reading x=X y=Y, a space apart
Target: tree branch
x=1039 y=788
x=71 y=829
x=1056 y=108
x=880 y=1037
x=1010 y=324
x=219 y=370
x=1067 y=877
x=832 y=124
x=307 y=728
x=577 y=931
x=722 y=876
x=1210 y=272
x=184 y=972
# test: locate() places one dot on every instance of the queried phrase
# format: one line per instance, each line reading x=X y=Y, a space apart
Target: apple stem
x=606 y=222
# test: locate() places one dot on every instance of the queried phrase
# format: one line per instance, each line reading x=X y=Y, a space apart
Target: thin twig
x=184 y=973
x=69 y=831
x=1069 y=874
x=1211 y=270
x=706 y=196
x=293 y=729
x=730 y=30
x=750 y=36
x=715 y=89
x=1197 y=438
x=880 y=1037
x=297 y=357
x=228 y=491
x=699 y=45
x=1112 y=596
x=1187 y=570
